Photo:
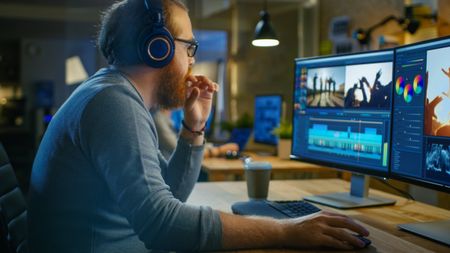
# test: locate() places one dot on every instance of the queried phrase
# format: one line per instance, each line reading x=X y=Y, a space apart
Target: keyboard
x=275 y=209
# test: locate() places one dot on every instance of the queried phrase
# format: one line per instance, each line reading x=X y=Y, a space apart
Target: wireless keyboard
x=275 y=209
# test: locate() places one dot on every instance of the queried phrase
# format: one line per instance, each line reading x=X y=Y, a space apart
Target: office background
x=44 y=43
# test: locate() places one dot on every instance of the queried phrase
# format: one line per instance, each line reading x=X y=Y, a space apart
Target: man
x=99 y=184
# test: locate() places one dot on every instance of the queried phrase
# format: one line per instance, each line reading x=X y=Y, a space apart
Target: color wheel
x=399 y=85
x=408 y=93
x=418 y=84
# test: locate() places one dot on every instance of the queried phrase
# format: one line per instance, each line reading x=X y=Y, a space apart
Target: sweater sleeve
x=184 y=168
x=117 y=136
x=167 y=138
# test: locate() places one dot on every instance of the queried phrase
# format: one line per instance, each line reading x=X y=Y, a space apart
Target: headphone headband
x=155 y=10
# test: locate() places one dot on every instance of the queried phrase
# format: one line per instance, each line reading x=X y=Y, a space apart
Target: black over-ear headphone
x=155 y=43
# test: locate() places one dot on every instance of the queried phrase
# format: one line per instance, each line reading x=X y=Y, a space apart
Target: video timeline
x=355 y=140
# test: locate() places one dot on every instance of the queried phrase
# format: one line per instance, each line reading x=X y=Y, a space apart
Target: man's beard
x=172 y=88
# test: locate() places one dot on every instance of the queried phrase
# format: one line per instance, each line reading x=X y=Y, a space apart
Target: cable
x=404 y=193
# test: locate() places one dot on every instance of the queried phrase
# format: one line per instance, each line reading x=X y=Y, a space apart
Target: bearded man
x=99 y=183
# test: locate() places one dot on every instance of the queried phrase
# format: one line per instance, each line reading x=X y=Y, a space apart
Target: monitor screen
x=267 y=118
x=342 y=111
x=421 y=114
x=177 y=116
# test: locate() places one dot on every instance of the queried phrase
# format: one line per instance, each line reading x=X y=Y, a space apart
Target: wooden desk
x=380 y=221
x=221 y=169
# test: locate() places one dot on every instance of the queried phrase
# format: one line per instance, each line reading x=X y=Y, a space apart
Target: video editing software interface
x=342 y=111
x=267 y=118
x=421 y=113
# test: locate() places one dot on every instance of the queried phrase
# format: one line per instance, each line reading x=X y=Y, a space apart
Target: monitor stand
x=357 y=197
x=435 y=230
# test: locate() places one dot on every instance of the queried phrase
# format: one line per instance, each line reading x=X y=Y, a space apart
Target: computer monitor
x=267 y=118
x=342 y=119
x=421 y=123
x=176 y=116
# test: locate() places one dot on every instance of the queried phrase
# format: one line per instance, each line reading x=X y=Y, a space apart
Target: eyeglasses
x=192 y=46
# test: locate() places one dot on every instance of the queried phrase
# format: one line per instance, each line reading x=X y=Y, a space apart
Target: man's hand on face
x=200 y=93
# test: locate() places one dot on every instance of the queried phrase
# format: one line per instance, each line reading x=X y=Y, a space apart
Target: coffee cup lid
x=258 y=166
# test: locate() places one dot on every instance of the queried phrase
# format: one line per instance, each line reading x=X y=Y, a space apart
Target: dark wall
x=266 y=70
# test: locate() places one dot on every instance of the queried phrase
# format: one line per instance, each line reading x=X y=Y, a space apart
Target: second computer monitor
x=267 y=118
x=421 y=113
x=421 y=124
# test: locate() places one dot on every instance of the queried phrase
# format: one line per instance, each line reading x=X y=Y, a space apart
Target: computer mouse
x=366 y=241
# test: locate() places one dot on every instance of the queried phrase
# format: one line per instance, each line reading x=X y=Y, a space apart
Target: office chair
x=13 y=210
x=4 y=245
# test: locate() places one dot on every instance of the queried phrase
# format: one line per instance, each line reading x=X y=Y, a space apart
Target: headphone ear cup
x=157 y=48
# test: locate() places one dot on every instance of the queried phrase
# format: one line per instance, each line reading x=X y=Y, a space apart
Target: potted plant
x=284 y=133
x=240 y=130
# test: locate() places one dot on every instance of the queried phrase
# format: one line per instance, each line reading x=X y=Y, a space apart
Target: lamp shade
x=265 y=35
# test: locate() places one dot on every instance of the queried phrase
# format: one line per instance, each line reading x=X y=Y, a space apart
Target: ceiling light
x=265 y=35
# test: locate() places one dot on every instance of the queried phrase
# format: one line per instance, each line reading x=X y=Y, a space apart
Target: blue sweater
x=99 y=183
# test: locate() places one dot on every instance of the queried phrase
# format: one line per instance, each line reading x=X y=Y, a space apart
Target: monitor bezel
x=254 y=108
x=339 y=166
x=402 y=177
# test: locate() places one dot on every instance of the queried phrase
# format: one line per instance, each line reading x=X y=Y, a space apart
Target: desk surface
x=218 y=168
x=380 y=221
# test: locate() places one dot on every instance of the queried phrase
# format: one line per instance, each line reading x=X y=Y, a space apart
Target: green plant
x=244 y=121
x=284 y=131
x=226 y=126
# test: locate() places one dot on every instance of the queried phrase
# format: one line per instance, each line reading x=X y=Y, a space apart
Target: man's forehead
x=182 y=22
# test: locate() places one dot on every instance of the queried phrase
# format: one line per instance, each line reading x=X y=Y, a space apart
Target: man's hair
x=121 y=26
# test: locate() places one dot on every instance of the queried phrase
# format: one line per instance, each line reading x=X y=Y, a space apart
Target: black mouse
x=366 y=241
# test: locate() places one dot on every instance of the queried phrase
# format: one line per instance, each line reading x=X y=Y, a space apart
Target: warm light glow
x=234 y=90
x=234 y=79
x=265 y=43
x=75 y=71
x=234 y=110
